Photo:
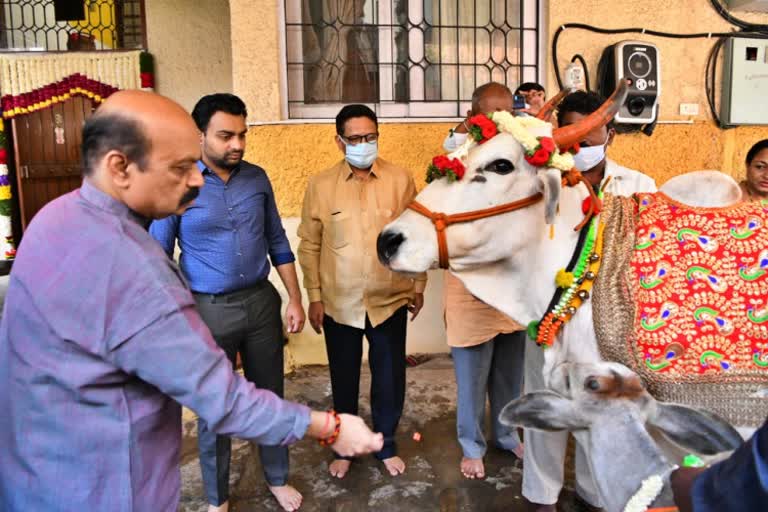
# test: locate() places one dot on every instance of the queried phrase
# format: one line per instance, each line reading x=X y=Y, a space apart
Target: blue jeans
x=496 y=368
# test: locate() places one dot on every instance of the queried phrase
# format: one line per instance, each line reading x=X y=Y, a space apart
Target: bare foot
x=339 y=467
x=394 y=465
x=519 y=450
x=288 y=497
x=472 y=468
x=224 y=507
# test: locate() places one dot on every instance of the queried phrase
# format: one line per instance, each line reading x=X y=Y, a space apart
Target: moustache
x=189 y=196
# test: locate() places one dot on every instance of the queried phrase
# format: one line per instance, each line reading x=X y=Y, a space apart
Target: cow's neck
x=522 y=285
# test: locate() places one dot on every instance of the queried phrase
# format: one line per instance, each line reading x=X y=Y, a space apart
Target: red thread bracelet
x=328 y=441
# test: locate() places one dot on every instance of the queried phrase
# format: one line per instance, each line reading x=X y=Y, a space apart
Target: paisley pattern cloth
x=686 y=290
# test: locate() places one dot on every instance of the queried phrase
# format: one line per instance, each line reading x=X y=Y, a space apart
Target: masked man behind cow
x=544 y=457
x=351 y=293
x=486 y=345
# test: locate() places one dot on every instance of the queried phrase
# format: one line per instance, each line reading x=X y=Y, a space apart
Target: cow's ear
x=543 y=410
x=695 y=429
x=551 y=183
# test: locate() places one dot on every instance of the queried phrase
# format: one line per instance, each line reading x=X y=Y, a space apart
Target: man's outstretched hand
x=355 y=438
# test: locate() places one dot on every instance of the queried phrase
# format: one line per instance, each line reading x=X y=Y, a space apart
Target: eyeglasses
x=357 y=139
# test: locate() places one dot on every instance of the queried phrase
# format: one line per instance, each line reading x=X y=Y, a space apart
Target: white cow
x=508 y=259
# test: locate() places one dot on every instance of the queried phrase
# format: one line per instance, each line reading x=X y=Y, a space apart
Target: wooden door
x=47 y=153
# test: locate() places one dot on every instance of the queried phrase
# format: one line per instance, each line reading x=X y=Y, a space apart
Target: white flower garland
x=521 y=128
x=21 y=73
x=648 y=492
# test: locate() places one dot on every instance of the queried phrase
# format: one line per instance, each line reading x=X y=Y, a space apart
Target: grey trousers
x=494 y=368
x=544 y=457
x=249 y=322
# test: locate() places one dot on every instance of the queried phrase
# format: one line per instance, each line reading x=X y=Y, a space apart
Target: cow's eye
x=500 y=167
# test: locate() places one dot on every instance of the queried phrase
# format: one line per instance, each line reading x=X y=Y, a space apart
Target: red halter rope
x=441 y=221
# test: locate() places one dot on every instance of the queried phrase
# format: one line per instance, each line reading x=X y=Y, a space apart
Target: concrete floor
x=432 y=480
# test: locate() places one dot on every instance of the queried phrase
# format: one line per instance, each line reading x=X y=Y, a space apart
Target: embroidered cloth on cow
x=686 y=290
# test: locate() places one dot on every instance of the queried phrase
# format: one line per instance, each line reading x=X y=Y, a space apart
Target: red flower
x=539 y=158
x=457 y=167
x=442 y=166
x=3 y=156
x=441 y=161
x=482 y=128
x=547 y=143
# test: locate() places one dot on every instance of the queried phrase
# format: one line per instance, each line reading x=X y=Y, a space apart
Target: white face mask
x=454 y=141
x=589 y=157
x=361 y=155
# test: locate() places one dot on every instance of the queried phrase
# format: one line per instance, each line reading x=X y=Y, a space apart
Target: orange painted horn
x=567 y=136
x=545 y=114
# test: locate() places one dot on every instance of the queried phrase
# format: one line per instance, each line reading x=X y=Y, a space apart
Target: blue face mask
x=361 y=155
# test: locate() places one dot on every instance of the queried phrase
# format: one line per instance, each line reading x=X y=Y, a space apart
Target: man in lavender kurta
x=100 y=339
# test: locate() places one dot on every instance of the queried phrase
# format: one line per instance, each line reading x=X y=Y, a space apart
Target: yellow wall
x=99 y=22
x=673 y=149
x=256 y=56
x=192 y=48
x=292 y=152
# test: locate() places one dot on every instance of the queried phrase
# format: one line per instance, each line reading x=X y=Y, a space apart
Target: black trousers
x=249 y=322
x=386 y=359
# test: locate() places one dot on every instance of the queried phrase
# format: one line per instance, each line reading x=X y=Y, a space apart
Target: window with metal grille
x=405 y=58
x=61 y=25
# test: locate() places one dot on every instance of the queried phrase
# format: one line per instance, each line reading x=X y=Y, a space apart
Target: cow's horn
x=567 y=136
x=545 y=114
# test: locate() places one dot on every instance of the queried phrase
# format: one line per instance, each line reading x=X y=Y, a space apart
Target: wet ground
x=432 y=480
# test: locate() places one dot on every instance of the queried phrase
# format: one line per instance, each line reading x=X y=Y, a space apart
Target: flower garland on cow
x=575 y=281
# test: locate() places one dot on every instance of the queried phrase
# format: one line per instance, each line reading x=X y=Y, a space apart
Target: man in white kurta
x=544 y=458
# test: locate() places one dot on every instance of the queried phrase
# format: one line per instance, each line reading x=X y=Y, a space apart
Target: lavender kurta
x=100 y=342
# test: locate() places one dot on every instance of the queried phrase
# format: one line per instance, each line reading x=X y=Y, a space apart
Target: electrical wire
x=710 y=79
x=583 y=62
x=636 y=30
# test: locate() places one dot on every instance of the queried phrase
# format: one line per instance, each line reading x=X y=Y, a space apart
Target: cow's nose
x=387 y=245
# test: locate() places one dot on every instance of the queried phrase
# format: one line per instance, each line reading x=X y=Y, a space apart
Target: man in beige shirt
x=351 y=293
x=487 y=346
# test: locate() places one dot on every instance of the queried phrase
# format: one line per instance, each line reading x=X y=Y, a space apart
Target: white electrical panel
x=745 y=82
x=748 y=5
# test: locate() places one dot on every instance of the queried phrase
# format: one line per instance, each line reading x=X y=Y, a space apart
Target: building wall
x=191 y=44
x=293 y=152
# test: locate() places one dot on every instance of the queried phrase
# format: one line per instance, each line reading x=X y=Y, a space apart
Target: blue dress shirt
x=226 y=235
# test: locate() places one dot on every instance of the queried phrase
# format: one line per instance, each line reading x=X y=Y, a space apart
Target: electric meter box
x=639 y=63
x=745 y=82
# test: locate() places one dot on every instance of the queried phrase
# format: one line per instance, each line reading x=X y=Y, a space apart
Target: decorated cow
x=671 y=285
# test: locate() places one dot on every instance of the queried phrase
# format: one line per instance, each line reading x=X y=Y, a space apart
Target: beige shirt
x=468 y=320
x=341 y=218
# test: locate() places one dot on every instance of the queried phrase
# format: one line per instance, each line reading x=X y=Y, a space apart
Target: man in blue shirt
x=227 y=239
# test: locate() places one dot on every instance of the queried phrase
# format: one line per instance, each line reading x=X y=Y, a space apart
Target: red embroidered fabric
x=701 y=288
